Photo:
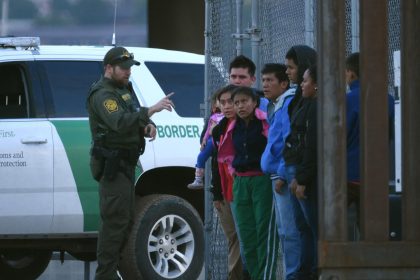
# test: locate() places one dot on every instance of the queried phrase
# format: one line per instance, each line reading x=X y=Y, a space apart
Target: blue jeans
x=204 y=154
x=304 y=216
x=288 y=229
x=309 y=209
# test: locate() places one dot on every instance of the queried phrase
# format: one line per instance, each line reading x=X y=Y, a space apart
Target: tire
x=23 y=265
x=166 y=241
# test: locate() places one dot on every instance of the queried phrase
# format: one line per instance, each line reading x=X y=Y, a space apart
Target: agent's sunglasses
x=123 y=57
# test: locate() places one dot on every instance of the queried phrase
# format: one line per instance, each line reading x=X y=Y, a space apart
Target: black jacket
x=217 y=132
x=249 y=145
x=301 y=144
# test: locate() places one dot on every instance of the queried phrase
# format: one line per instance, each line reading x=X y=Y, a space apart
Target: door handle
x=34 y=141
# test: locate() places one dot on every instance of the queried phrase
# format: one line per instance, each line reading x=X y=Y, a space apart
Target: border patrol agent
x=118 y=125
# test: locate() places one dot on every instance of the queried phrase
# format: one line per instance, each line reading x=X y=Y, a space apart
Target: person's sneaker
x=197 y=184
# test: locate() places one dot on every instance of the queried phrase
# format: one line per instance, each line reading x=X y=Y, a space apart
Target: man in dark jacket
x=118 y=126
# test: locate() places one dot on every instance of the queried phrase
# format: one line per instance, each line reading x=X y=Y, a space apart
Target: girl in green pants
x=253 y=205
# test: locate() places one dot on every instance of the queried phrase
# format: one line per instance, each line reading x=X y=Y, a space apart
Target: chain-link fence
x=279 y=24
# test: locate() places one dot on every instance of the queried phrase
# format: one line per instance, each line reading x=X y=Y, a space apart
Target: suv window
x=69 y=83
x=12 y=94
x=186 y=80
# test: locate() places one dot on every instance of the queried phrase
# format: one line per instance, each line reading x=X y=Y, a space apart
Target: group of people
x=263 y=146
x=264 y=166
x=264 y=163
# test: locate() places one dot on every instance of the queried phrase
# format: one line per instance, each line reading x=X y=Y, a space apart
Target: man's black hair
x=352 y=63
x=291 y=54
x=242 y=61
x=278 y=69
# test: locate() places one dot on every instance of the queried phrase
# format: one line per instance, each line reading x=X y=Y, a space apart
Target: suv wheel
x=23 y=265
x=166 y=241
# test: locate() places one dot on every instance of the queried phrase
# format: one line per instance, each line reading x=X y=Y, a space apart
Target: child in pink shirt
x=206 y=146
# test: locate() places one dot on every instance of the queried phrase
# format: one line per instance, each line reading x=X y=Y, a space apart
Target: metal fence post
x=208 y=207
x=355 y=33
x=374 y=135
x=309 y=23
x=255 y=32
x=239 y=36
x=331 y=121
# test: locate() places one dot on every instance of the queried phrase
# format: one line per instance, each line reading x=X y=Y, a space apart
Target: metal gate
x=264 y=30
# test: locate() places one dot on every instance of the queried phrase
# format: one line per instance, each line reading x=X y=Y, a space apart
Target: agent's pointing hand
x=164 y=103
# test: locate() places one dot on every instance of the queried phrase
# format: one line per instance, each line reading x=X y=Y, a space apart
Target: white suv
x=48 y=200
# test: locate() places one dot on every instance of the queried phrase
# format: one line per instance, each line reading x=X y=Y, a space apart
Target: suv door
x=66 y=84
x=26 y=155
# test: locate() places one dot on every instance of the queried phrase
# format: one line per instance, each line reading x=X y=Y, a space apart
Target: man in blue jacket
x=353 y=129
x=276 y=90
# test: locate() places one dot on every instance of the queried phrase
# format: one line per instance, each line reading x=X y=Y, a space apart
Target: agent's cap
x=121 y=57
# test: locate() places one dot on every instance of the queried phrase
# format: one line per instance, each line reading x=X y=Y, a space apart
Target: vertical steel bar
x=331 y=121
x=208 y=205
x=239 y=35
x=355 y=30
x=410 y=101
x=309 y=23
x=374 y=124
x=255 y=40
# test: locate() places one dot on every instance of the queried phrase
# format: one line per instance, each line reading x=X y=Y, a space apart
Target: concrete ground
x=73 y=270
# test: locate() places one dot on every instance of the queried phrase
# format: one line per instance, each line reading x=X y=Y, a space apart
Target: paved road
x=73 y=270
x=69 y=270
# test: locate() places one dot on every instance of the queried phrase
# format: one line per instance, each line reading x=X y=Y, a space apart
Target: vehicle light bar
x=23 y=42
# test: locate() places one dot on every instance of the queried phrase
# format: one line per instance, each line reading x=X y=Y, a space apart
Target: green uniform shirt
x=113 y=111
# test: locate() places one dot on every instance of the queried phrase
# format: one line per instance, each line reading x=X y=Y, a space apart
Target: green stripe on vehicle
x=75 y=136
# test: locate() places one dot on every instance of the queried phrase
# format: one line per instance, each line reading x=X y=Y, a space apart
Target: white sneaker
x=197 y=184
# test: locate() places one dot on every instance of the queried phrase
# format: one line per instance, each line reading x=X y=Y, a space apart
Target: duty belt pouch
x=97 y=164
x=133 y=157
x=112 y=165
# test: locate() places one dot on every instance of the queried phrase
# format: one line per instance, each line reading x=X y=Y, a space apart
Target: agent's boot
x=198 y=183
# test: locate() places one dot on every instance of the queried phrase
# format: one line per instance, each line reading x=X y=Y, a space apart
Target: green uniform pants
x=253 y=208
x=116 y=203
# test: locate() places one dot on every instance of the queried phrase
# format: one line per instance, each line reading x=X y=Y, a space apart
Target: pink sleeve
x=207 y=134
